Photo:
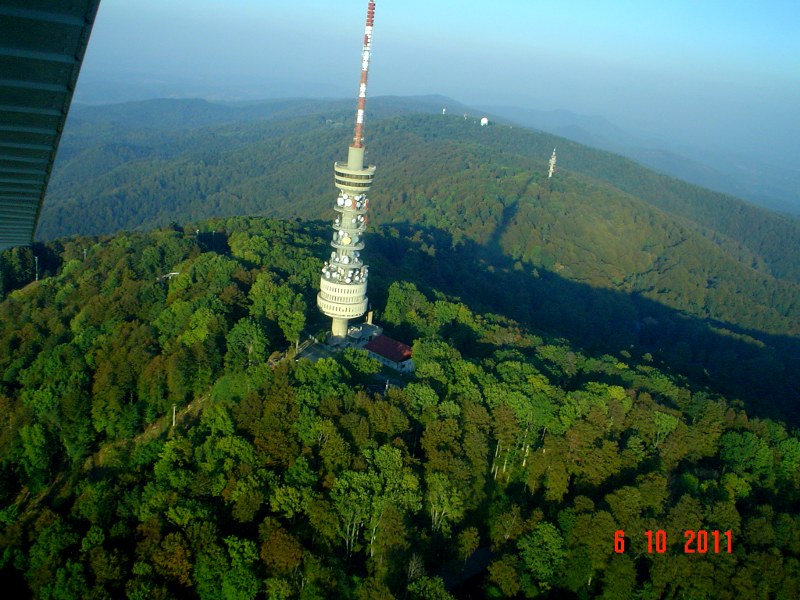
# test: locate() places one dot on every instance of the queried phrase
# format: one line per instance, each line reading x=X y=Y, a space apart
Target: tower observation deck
x=343 y=284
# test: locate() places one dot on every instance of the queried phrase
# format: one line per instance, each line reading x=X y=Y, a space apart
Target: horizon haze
x=718 y=81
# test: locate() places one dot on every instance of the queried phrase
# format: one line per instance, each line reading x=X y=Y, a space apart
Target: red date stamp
x=695 y=542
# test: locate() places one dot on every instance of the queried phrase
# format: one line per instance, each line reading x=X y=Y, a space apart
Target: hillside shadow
x=760 y=369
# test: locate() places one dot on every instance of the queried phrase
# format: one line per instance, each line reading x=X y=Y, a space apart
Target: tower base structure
x=338 y=330
x=342 y=302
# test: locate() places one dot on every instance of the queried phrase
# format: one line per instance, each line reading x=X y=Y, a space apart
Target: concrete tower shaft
x=343 y=285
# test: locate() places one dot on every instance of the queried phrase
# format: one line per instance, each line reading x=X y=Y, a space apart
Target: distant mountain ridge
x=192 y=113
x=762 y=182
x=603 y=220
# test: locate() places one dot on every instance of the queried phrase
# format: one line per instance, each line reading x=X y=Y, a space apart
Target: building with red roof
x=395 y=355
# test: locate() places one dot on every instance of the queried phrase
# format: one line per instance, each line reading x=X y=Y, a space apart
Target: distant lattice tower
x=343 y=285
x=552 y=165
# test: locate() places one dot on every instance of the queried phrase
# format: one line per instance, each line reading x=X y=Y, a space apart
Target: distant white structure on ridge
x=484 y=121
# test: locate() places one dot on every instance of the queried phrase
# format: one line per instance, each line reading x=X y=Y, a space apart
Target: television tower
x=343 y=284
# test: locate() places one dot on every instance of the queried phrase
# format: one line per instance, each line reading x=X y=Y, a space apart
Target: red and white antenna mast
x=358 y=137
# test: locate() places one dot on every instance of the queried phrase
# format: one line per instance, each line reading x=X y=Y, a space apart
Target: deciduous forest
x=602 y=221
x=557 y=439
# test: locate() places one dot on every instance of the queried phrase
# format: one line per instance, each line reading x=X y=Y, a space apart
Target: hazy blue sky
x=712 y=72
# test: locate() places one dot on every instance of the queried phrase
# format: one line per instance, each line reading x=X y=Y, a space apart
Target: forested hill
x=602 y=220
x=513 y=463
